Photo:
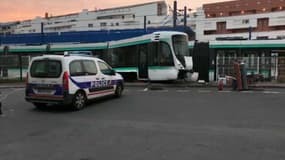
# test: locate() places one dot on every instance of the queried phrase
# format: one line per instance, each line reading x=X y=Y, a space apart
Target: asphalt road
x=173 y=123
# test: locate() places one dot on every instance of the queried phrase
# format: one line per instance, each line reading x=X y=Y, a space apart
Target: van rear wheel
x=79 y=101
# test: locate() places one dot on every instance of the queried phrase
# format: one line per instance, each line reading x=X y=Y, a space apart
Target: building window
x=90 y=25
x=159 y=9
x=103 y=24
x=245 y=21
x=213 y=15
x=117 y=24
x=263 y=9
x=209 y=32
x=221 y=27
x=263 y=24
x=262 y=38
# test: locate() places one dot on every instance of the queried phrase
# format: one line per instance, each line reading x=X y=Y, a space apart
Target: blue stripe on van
x=94 y=84
x=81 y=85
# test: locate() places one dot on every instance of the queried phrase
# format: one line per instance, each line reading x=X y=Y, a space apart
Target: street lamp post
x=185 y=17
x=174 y=13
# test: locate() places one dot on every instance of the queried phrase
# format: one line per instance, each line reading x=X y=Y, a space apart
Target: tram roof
x=77 y=46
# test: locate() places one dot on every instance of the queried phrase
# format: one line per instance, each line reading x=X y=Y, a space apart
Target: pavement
x=174 y=123
x=158 y=85
x=12 y=85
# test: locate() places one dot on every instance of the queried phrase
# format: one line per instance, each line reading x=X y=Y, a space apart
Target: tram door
x=143 y=63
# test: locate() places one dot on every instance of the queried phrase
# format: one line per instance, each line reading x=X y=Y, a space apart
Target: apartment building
x=126 y=17
x=240 y=19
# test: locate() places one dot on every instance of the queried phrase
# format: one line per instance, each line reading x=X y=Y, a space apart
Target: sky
x=13 y=10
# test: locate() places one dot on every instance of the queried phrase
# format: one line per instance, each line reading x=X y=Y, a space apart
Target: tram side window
x=159 y=54
x=124 y=56
x=165 y=56
x=152 y=54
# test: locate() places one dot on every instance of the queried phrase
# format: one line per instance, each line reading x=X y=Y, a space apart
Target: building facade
x=240 y=19
x=126 y=17
x=249 y=31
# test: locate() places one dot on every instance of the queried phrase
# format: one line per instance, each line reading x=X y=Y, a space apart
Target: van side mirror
x=112 y=72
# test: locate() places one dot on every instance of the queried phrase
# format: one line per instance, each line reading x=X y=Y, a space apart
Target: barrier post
x=243 y=76
x=220 y=85
x=238 y=75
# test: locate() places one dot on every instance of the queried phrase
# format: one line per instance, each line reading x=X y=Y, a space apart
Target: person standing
x=1 y=108
x=0 y=105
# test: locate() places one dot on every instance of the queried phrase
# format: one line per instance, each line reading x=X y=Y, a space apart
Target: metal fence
x=13 y=67
x=258 y=68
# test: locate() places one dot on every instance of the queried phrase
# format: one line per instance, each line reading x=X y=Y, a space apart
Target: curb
x=166 y=85
x=7 y=87
x=196 y=85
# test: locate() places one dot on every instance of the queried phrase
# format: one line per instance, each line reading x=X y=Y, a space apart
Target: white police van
x=70 y=80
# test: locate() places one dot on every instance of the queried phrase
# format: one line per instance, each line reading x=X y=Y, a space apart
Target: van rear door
x=45 y=78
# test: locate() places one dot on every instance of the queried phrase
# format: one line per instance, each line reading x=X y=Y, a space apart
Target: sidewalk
x=12 y=85
x=268 y=85
x=166 y=84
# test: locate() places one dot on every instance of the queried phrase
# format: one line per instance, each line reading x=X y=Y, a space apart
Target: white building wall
x=88 y=20
x=236 y=22
x=241 y=22
x=30 y=26
x=278 y=20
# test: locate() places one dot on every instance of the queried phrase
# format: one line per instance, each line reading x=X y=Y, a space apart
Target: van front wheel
x=119 y=91
x=79 y=101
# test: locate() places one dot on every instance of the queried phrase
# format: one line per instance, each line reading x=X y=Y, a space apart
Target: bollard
x=238 y=75
x=220 y=85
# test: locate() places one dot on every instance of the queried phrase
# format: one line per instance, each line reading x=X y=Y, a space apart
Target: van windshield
x=46 y=69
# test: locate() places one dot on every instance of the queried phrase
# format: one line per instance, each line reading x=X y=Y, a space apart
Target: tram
x=159 y=56
x=263 y=58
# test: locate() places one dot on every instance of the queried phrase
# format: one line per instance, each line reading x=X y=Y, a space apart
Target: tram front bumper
x=183 y=73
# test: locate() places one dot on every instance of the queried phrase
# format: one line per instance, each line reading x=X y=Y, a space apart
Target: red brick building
x=239 y=17
x=242 y=7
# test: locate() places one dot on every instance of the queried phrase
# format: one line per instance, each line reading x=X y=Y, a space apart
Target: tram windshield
x=180 y=45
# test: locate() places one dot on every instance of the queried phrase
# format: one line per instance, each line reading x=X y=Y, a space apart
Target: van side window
x=76 y=69
x=90 y=67
x=104 y=68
